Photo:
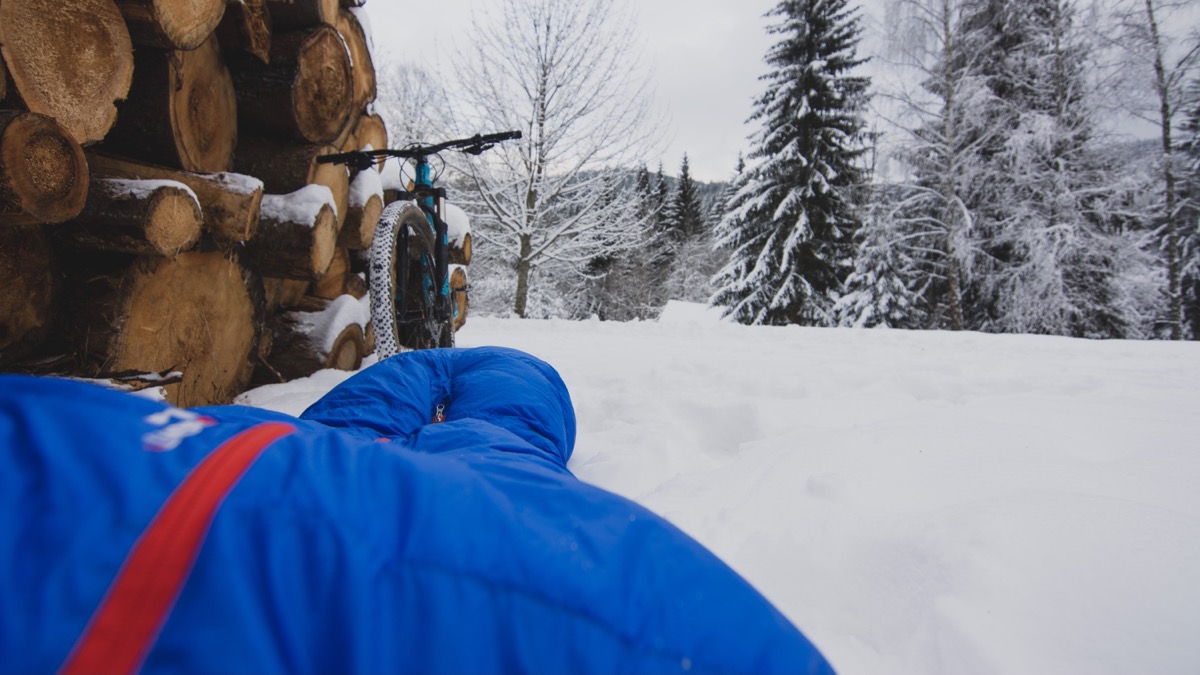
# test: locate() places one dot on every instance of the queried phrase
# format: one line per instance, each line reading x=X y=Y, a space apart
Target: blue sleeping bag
x=362 y=537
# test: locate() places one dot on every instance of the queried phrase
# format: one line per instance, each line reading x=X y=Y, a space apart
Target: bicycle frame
x=430 y=200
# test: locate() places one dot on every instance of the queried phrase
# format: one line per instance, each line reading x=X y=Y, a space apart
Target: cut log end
x=173 y=218
x=70 y=62
x=290 y=249
x=43 y=172
x=171 y=24
x=140 y=217
x=204 y=110
x=324 y=90
x=458 y=295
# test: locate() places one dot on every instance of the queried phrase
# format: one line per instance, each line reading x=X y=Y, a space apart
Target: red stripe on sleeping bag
x=124 y=627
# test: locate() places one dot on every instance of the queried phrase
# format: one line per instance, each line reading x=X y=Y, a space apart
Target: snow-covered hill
x=915 y=502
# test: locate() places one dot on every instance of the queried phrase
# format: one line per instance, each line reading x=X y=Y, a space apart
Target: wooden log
x=297 y=235
x=333 y=283
x=458 y=294
x=137 y=216
x=181 y=111
x=199 y=313
x=331 y=335
x=27 y=290
x=3 y=80
x=362 y=65
x=284 y=293
x=286 y=167
x=460 y=250
x=364 y=207
x=246 y=27
x=352 y=3
x=230 y=203
x=69 y=59
x=305 y=93
x=171 y=24
x=295 y=14
x=43 y=173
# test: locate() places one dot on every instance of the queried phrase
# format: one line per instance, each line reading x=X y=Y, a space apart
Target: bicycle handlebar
x=473 y=145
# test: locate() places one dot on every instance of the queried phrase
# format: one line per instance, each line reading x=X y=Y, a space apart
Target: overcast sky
x=707 y=56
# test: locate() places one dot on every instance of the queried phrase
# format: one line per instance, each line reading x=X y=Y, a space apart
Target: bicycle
x=409 y=281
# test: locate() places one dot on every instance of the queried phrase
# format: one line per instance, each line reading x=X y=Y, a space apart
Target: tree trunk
x=458 y=295
x=69 y=59
x=199 y=313
x=181 y=111
x=285 y=167
x=43 y=173
x=523 y=267
x=133 y=216
x=363 y=71
x=229 y=203
x=171 y=24
x=461 y=255
x=296 y=238
x=27 y=290
x=294 y=14
x=305 y=93
x=246 y=27
x=1170 y=226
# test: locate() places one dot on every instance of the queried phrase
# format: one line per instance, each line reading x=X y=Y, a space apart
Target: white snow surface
x=916 y=502
x=239 y=183
x=366 y=184
x=325 y=326
x=143 y=188
x=302 y=206
x=458 y=224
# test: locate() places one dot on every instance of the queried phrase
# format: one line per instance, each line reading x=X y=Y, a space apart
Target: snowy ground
x=914 y=502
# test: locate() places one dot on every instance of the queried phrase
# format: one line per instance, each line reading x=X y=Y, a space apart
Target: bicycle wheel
x=404 y=300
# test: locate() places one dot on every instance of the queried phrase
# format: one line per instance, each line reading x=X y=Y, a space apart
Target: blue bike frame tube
x=425 y=180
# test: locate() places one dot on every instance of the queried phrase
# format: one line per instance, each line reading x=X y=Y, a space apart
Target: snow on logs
x=297 y=235
x=181 y=111
x=43 y=174
x=154 y=217
x=285 y=167
x=332 y=336
x=68 y=59
x=230 y=203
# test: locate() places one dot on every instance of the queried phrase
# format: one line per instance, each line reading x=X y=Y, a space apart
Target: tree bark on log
x=352 y=3
x=136 y=216
x=230 y=203
x=306 y=91
x=284 y=293
x=295 y=14
x=363 y=67
x=181 y=111
x=293 y=243
x=200 y=313
x=461 y=255
x=458 y=295
x=246 y=27
x=68 y=59
x=285 y=167
x=43 y=173
x=171 y=24
x=27 y=290
x=359 y=229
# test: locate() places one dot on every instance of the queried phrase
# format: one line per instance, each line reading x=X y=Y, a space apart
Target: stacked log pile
x=161 y=208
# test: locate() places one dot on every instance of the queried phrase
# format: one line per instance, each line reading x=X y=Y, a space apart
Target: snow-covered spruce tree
x=790 y=226
x=688 y=214
x=1054 y=268
x=564 y=73
x=883 y=290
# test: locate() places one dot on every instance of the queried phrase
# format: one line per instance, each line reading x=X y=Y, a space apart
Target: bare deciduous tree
x=565 y=73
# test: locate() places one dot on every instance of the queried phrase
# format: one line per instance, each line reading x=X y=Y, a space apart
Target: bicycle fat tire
x=402 y=240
